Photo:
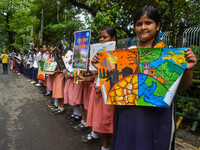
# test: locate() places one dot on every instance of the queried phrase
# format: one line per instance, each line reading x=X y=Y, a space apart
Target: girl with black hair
x=149 y=128
x=101 y=116
x=58 y=86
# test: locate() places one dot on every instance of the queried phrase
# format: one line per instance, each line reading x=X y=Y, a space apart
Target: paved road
x=26 y=123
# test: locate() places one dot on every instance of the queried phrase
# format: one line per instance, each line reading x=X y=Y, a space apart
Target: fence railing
x=191 y=38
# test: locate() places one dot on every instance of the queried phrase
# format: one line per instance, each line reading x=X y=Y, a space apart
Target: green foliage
x=109 y=17
x=188 y=107
x=149 y=55
x=176 y=16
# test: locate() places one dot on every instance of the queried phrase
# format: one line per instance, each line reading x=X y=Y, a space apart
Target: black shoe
x=58 y=112
x=77 y=118
x=47 y=94
x=80 y=127
x=89 y=139
x=70 y=117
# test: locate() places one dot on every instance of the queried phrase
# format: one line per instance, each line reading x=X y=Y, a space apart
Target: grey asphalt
x=26 y=123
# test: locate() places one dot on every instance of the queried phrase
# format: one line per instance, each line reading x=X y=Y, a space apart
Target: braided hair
x=151 y=13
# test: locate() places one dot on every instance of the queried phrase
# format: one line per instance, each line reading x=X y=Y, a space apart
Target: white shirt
x=31 y=60
x=37 y=58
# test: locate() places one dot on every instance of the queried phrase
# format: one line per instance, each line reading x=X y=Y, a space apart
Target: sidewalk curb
x=183 y=135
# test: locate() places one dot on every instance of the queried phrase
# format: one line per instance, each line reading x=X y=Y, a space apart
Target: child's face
x=105 y=37
x=44 y=48
x=146 y=29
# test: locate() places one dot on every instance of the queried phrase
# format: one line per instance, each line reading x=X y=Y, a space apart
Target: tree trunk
x=180 y=38
x=42 y=25
x=10 y=33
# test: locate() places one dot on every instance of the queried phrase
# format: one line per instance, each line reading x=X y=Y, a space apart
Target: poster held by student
x=81 y=49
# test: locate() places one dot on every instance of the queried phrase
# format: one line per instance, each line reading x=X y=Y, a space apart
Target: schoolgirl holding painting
x=69 y=82
x=102 y=115
x=148 y=128
x=58 y=86
x=50 y=77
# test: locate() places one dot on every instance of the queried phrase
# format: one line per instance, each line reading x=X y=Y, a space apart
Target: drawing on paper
x=143 y=76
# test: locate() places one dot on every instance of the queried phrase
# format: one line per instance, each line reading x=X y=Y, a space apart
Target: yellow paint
x=120 y=92
x=179 y=59
x=79 y=40
x=85 y=39
x=111 y=59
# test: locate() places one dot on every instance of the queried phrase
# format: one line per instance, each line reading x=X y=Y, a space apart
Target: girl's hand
x=66 y=74
x=80 y=78
x=190 y=58
x=95 y=60
x=70 y=62
x=97 y=89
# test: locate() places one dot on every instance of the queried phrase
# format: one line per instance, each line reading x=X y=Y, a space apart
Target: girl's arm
x=66 y=74
x=186 y=80
x=91 y=72
x=97 y=89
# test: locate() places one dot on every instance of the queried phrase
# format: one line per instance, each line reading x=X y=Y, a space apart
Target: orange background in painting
x=123 y=59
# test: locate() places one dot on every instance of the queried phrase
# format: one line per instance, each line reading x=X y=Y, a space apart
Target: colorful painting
x=100 y=47
x=41 y=74
x=66 y=59
x=143 y=76
x=49 y=66
x=81 y=49
x=77 y=72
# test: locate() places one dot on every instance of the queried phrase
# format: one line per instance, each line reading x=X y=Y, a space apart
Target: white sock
x=83 y=123
x=56 y=102
x=94 y=135
x=61 y=108
x=78 y=111
x=103 y=148
x=48 y=92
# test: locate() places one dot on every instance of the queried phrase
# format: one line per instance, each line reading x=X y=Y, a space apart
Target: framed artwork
x=141 y=76
x=81 y=49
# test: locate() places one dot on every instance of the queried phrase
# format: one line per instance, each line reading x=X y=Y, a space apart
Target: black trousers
x=5 y=68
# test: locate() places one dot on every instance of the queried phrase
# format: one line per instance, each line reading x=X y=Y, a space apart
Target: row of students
x=128 y=127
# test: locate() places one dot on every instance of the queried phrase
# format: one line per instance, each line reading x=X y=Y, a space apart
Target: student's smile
x=146 y=29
